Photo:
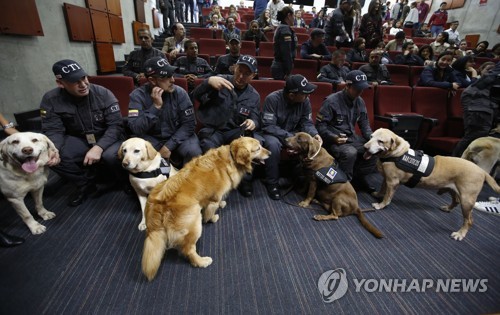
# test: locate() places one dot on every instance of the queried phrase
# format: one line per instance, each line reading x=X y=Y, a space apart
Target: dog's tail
x=492 y=182
x=367 y=225
x=154 y=248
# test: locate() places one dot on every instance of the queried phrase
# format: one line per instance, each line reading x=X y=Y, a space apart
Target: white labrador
x=23 y=169
x=145 y=168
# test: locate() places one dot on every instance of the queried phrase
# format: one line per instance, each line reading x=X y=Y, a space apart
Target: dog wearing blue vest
x=399 y=164
x=327 y=183
x=146 y=169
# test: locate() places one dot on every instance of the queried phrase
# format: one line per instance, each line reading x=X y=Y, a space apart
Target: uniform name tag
x=91 y=138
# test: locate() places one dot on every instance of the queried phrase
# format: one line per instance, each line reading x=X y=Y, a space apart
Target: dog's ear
x=394 y=143
x=150 y=150
x=50 y=144
x=242 y=156
x=3 y=150
x=120 y=152
x=314 y=146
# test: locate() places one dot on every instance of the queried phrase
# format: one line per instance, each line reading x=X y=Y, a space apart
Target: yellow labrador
x=23 y=170
x=485 y=152
x=146 y=169
x=461 y=178
x=173 y=210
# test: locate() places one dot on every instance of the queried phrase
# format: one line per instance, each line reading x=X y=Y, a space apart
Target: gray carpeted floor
x=268 y=258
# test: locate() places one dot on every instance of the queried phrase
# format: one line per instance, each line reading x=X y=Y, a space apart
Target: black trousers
x=476 y=125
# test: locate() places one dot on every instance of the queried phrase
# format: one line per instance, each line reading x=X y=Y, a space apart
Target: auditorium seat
x=400 y=74
x=182 y=82
x=264 y=66
x=247 y=18
x=266 y=49
x=200 y=32
x=307 y=67
x=323 y=90
x=121 y=86
x=241 y=25
x=247 y=47
x=211 y=46
x=266 y=87
x=415 y=72
x=302 y=38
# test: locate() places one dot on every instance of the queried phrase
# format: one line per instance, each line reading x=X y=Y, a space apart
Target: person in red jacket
x=438 y=20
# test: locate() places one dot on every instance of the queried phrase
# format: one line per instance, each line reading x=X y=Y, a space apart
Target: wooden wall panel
x=114 y=7
x=20 y=17
x=156 y=18
x=105 y=57
x=137 y=26
x=117 y=32
x=78 y=23
x=140 y=13
x=98 y=5
x=102 y=29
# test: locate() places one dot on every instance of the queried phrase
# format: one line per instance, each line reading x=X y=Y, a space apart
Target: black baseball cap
x=298 y=84
x=159 y=66
x=68 y=70
x=248 y=61
x=357 y=79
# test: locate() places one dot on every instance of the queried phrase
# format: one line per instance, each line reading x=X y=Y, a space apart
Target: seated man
x=229 y=108
x=315 y=47
x=191 y=66
x=134 y=64
x=334 y=72
x=230 y=30
x=285 y=112
x=162 y=113
x=83 y=121
x=336 y=124
x=225 y=63
x=376 y=73
x=174 y=45
x=409 y=57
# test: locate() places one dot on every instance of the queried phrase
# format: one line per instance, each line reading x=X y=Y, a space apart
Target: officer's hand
x=219 y=83
x=455 y=86
x=340 y=139
x=156 y=94
x=165 y=152
x=93 y=155
x=318 y=137
x=54 y=158
x=173 y=53
x=316 y=56
x=248 y=124
x=190 y=78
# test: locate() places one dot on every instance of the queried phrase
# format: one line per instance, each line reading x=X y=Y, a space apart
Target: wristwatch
x=9 y=125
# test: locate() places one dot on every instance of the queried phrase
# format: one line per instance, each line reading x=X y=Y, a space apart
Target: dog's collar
x=314 y=155
x=164 y=169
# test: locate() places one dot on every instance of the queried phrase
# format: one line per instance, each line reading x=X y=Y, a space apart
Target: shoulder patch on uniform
x=133 y=112
x=43 y=113
x=115 y=108
x=268 y=116
x=189 y=111
x=287 y=38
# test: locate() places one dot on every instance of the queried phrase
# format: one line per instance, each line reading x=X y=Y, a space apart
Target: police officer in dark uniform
x=335 y=72
x=315 y=47
x=162 y=113
x=83 y=121
x=134 y=65
x=335 y=27
x=167 y=8
x=336 y=122
x=480 y=103
x=285 y=112
x=230 y=108
x=191 y=66
x=285 y=45
x=225 y=63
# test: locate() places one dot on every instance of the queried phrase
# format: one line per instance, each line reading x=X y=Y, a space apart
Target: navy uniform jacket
x=170 y=125
x=135 y=62
x=335 y=27
x=430 y=77
x=377 y=74
x=285 y=47
x=224 y=62
x=332 y=74
x=98 y=113
x=283 y=120
x=409 y=59
x=198 y=67
x=354 y=55
x=226 y=109
x=307 y=49
x=339 y=114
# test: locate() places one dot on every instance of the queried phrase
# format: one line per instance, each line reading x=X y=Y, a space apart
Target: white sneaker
x=492 y=207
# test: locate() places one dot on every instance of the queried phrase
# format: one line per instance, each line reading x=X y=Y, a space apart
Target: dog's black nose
x=27 y=150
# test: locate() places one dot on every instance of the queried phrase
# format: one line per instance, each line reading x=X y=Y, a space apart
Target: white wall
x=26 y=62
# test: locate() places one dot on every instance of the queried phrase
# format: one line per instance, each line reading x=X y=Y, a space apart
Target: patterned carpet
x=268 y=257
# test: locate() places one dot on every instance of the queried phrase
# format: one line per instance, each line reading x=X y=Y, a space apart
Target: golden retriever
x=461 y=178
x=339 y=199
x=143 y=162
x=485 y=152
x=23 y=169
x=173 y=208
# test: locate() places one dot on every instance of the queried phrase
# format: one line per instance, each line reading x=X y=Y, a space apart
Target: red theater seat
x=121 y=86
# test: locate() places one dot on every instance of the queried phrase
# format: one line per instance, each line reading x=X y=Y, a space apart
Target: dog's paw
x=457 y=236
x=214 y=218
x=445 y=208
x=142 y=226
x=304 y=204
x=37 y=228
x=222 y=204
x=377 y=206
x=320 y=217
x=47 y=215
x=203 y=262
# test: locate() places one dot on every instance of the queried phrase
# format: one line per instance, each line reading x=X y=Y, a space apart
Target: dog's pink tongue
x=367 y=155
x=29 y=166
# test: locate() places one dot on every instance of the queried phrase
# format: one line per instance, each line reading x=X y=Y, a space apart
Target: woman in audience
x=285 y=45
x=371 y=25
x=462 y=49
x=232 y=12
x=427 y=54
x=214 y=24
x=255 y=34
x=358 y=51
x=298 y=21
x=440 y=44
x=320 y=20
x=216 y=10
x=440 y=75
x=264 y=20
x=464 y=71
